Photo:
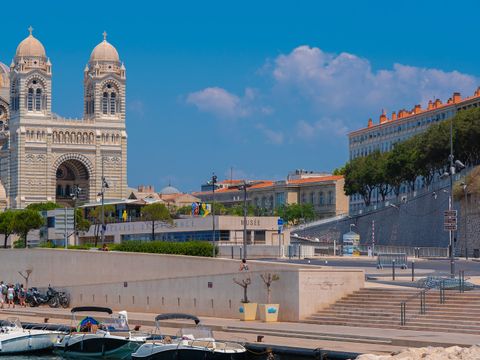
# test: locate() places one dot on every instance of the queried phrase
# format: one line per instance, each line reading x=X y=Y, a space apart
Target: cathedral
x=43 y=155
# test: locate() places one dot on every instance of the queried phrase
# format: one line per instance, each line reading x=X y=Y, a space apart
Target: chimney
x=430 y=105
x=402 y=113
x=449 y=101
x=477 y=92
x=456 y=97
x=417 y=109
x=437 y=103
x=394 y=116
x=383 y=117
x=370 y=123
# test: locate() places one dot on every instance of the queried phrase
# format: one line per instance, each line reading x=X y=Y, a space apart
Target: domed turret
x=104 y=52
x=30 y=47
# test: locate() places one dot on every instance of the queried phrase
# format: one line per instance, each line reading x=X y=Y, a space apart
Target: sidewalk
x=340 y=338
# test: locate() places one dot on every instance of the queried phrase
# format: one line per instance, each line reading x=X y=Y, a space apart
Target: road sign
x=450 y=227
x=280 y=221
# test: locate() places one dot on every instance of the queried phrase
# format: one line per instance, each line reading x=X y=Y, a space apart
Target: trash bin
x=476 y=253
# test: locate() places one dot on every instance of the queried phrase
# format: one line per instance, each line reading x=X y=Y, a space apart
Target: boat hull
x=97 y=347
x=175 y=352
x=28 y=342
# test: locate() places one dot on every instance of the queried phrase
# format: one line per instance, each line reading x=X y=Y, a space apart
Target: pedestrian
x=21 y=296
x=243 y=266
x=3 y=292
x=10 y=296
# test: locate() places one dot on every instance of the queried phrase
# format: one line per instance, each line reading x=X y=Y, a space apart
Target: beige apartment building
x=323 y=191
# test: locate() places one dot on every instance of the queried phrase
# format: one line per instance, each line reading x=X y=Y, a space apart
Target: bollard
x=241 y=252
x=413 y=270
x=232 y=251
x=393 y=269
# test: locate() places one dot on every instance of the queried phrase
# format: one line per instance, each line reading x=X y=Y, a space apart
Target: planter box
x=248 y=311
x=268 y=312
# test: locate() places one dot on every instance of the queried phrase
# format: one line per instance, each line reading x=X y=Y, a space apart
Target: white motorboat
x=195 y=343
x=100 y=339
x=14 y=339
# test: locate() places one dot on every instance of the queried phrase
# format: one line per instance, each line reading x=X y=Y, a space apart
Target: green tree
x=294 y=213
x=44 y=206
x=154 y=213
x=96 y=216
x=6 y=224
x=24 y=221
x=81 y=223
x=339 y=171
x=360 y=179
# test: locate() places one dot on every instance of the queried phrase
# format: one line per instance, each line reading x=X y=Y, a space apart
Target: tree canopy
x=156 y=212
x=24 y=221
x=423 y=155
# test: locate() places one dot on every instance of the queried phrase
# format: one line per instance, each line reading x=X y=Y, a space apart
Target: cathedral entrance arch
x=72 y=170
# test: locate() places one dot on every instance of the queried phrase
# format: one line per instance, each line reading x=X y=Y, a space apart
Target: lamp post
x=465 y=195
x=75 y=195
x=244 y=187
x=102 y=194
x=454 y=165
x=213 y=182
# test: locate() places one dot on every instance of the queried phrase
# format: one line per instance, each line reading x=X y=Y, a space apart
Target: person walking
x=10 y=296
x=243 y=266
x=3 y=293
x=21 y=296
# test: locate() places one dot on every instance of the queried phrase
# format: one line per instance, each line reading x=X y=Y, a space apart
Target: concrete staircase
x=380 y=308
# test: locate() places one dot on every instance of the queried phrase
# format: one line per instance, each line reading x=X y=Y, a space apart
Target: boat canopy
x=91 y=309
x=171 y=316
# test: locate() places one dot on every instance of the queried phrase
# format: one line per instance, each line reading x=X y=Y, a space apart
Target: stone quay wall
x=170 y=283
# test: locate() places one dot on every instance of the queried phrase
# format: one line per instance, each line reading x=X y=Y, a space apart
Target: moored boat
x=195 y=343
x=96 y=339
x=14 y=339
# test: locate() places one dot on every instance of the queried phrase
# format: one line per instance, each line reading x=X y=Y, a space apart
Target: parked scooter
x=34 y=298
x=53 y=298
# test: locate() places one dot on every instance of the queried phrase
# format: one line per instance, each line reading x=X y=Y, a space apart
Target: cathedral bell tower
x=30 y=81
x=104 y=85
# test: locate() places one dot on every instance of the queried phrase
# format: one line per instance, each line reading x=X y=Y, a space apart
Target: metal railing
x=422 y=308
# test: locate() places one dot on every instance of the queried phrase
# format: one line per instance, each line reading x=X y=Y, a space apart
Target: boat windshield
x=13 y=322
x=115 y=324
x=195 y=333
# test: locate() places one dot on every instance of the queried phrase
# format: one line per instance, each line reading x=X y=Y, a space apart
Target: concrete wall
x=165 y=283
x=299 y=292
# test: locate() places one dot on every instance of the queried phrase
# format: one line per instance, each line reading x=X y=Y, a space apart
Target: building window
x=312 y=198
x=112 y=103
x=330 y=198
x=38 y=100
x=105 y=103
x=30 y=100
x=320 y=198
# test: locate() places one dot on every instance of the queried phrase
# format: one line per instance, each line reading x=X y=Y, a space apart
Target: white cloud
x=347 y=82
x=272 y=136
x=137 y=107
x=221 y=103
x=326 y=126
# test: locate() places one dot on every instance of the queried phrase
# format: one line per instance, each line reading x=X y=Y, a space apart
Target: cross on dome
x=30 y=29
x=104 y=36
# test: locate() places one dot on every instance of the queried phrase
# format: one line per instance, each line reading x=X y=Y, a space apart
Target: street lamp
x=244 y=187
x=213 y=182
x=465 y=195
x=104 y=187
x=75 y=195
x=351 y=226
x=454 y=167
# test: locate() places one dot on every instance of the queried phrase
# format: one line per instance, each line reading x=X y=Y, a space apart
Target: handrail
x=403 y=305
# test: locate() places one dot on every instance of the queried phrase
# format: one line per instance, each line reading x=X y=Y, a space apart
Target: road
x=471 y=267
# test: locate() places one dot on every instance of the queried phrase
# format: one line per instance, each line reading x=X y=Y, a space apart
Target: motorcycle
x=57 y=298
x=34 y=298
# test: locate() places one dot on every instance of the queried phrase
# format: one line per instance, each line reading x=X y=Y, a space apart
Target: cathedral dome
x=30 y=47
x=169 y=190
x=4 y=76
x=104 y=52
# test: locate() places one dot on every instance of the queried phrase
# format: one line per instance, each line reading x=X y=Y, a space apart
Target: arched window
x=59 y=190
x=113 y=100
x=105 y=103
x=30 y=100
x=38 y=100
x=67 y=190
x=320 y=198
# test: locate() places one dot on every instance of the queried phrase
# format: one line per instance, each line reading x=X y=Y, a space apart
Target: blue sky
x=264 y=87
